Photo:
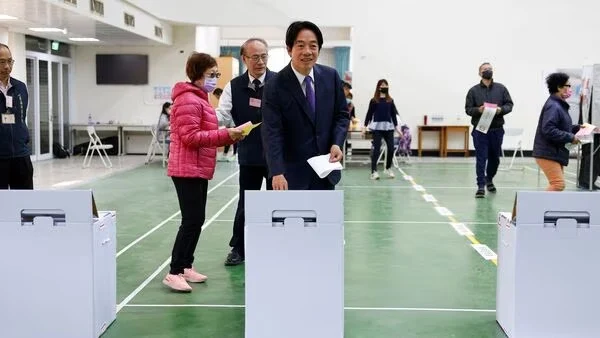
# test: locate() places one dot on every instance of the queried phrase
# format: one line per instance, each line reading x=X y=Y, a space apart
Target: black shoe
x=480 y=193
x=586 y=186
x=234 y=258
x=490 y=187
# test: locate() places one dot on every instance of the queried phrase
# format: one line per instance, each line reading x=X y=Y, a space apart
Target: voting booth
x=59 y=263
x=294 y=264
x=548 y=280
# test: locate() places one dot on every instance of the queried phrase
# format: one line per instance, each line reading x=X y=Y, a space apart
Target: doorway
x=48 y=114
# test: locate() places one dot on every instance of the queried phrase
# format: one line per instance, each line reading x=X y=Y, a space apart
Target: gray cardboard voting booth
x=59 y=264
x=548 y=278
x=294 y=264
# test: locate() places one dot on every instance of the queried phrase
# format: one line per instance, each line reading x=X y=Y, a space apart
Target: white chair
x=384 y=154
x=157 y=144
x=513 y=140
x=96 y=145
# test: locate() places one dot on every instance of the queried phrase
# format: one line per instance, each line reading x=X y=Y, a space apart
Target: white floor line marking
x=391 y=222
x=485 y=251
x=542 y=174
x=418 y=187
x=443 y=211
x=130 y=245
x=429 y=198
x=462 y=229
x=354 y=308
x=168 y=260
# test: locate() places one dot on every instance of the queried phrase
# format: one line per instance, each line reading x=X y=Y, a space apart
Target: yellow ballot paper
x=247 y=127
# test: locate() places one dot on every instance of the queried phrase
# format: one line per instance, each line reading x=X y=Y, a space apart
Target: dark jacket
x=496 y=93
x=555 y=129
x=250 y=149
x=292 y=133
x=14 y=138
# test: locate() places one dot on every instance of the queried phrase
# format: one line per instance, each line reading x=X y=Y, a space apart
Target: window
x=97 y=7
x=278 y=58
x=158 y=32
x=129 y=20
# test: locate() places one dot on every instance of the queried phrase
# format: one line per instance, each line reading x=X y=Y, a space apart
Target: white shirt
x=4 y=89
x=225 y=102
x=301 y=79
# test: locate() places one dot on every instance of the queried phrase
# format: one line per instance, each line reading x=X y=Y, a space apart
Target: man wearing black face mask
x=488 y=146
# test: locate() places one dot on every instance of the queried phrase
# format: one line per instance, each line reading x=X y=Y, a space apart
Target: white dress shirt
x=226 y=104
x=301 y=79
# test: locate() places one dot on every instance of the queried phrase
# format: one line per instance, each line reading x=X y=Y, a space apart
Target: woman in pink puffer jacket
x=193 y=150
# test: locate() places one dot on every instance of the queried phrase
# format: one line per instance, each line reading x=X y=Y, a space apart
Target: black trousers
x=191 y=193
x=584 y=166
x=388 y=136
x=16 y=173
x=251 y=178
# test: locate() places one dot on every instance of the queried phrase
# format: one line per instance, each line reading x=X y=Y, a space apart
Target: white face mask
x=210 y=83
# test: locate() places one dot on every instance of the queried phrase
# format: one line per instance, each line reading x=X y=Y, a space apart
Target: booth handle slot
x=58 y=216
x=581 y=217
x=308 y=216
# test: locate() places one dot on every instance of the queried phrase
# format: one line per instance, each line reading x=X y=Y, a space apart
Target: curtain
x=342 y=60
x=235 y=52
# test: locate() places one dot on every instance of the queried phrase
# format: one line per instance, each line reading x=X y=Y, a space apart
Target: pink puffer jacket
x=194 y=133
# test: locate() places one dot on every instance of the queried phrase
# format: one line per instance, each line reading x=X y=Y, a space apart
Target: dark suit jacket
x=291 y=136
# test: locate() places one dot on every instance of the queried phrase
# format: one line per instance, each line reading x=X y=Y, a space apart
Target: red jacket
x=194 y=133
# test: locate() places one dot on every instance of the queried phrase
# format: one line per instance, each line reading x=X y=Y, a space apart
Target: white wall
x=430 y=57
x=129 y=103
x=16 y=43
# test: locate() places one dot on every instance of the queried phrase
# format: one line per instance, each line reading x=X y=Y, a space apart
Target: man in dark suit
x=304 y=114
x=239 y=103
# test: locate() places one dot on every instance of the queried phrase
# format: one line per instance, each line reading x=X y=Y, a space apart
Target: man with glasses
x=240 y=102
x=16 y=169
x=488 y=146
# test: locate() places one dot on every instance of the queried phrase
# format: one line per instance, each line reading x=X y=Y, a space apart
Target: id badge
x=254 y=102
x=8 y=118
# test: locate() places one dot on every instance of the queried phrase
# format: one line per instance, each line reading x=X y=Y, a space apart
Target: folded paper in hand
x=322 y=166
x=247 y=127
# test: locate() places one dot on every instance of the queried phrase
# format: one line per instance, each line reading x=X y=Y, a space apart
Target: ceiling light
x=7 y=17
x=49 y=30
x=84 y=39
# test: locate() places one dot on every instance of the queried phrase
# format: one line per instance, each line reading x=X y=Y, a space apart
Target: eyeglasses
x=213 y=75
x=255 y=58
x=9 y=62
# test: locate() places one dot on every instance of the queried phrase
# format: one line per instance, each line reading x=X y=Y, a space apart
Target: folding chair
x=513 y=140
x=383 y=154
x=154 y=144
x=96 y=145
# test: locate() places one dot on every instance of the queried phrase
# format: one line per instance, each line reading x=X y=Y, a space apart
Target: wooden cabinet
x=229 y=67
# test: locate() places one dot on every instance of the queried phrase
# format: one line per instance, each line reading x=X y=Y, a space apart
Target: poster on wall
x=162 y=93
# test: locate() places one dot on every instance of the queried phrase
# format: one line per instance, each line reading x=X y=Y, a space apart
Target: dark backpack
x=59 y=151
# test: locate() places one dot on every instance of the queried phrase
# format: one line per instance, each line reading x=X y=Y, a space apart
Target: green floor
x=408 y=272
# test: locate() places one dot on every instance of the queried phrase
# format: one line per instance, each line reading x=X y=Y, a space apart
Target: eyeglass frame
x=9 y=62
x=255 y=58
x=213 y=75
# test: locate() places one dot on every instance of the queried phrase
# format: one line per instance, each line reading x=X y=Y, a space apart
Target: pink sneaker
x=192 y=276
x=177 y=283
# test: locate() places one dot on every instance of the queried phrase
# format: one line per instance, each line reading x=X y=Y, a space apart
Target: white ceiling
x=39 y=13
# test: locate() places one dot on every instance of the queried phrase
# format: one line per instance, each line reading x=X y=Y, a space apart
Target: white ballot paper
x=322 y=166
x=489 y=111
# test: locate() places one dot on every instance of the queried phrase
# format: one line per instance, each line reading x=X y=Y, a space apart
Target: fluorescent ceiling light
x=7 y=17
x=84 y=39
x=48 y=30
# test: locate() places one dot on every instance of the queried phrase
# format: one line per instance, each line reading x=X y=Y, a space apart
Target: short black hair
x=217 y=91
x=555 y=81
x=347 y=85
x=296 y=27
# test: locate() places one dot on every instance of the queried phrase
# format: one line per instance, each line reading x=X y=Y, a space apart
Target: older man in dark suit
x=304 y=114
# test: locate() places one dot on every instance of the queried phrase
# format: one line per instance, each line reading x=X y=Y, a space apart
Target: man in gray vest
x=240 y=102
